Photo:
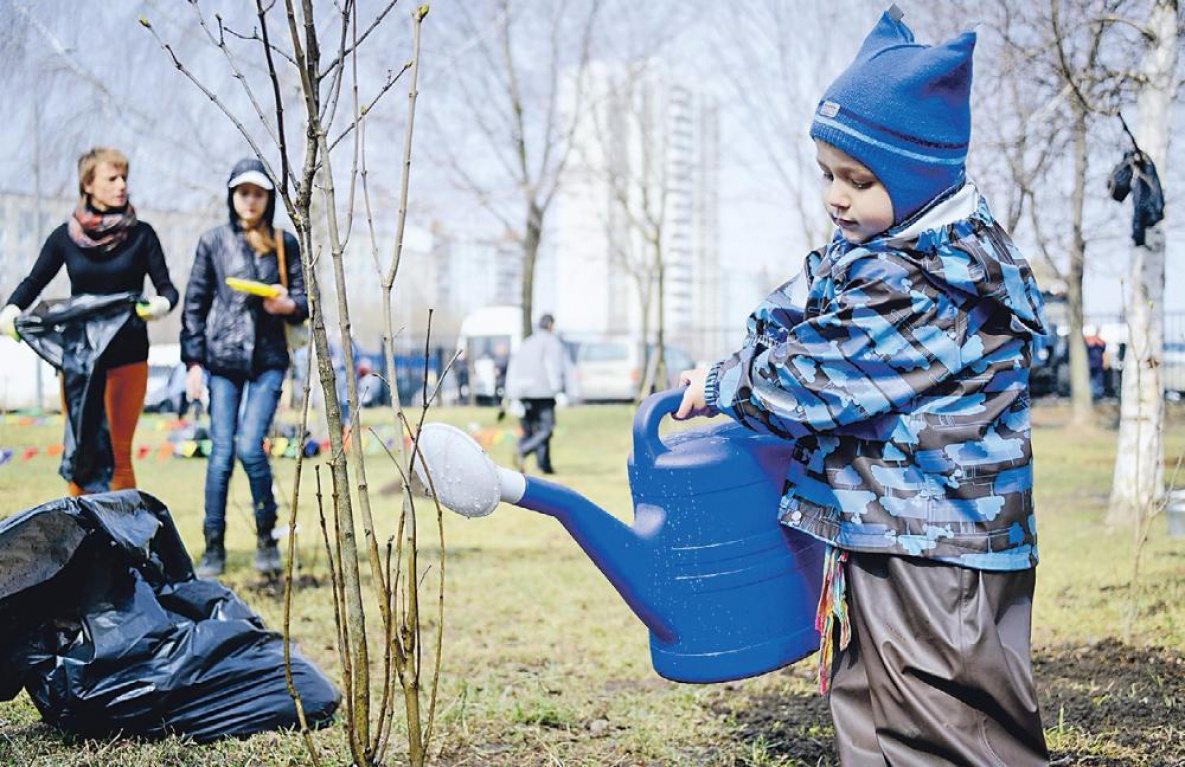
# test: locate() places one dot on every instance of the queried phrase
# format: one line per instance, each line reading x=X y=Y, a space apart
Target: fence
x=1051 y=374
x=1051 y=371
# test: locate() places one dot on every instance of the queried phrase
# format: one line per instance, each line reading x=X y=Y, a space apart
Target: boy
x=904 y=383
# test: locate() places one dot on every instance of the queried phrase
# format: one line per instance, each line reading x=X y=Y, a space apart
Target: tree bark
x=1082 y=403
x=1138 y=478
x=534 y=234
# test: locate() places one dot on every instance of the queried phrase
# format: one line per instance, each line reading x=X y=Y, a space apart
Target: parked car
x=487 y=338
x=612 y=369
x=1172 y=370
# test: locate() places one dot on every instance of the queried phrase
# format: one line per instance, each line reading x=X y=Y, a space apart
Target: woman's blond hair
x=261 y=237
x=90 y=160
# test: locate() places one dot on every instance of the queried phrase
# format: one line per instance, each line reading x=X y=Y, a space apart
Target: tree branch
x=209 y=93
x=358 y=40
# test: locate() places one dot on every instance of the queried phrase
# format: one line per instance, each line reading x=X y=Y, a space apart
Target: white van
x=487 y=339
x=610 y=369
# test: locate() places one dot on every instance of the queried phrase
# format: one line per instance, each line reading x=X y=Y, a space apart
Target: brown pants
x=938 y=669
x=123 y=400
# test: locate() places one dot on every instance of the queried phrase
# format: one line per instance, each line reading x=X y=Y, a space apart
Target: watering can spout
x=466 y=480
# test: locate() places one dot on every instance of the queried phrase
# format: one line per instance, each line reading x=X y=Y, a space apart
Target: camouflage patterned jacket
x=905 y=382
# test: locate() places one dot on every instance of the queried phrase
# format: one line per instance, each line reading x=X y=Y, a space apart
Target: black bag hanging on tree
x=1136 y=175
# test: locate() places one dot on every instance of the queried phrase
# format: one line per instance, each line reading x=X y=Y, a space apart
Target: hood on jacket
x=250 y=170
x=964 y=249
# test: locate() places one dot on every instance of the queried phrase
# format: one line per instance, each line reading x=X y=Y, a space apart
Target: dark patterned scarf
x=90 y=228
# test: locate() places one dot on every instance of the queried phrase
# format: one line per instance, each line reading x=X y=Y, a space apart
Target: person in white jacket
x=539 y=373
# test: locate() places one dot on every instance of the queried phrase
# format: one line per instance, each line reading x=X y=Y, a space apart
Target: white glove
x=8 y=317
x=561 y=400
x=153 y=308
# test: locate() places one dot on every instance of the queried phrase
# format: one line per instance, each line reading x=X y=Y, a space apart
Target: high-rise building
x=473 y=272
x=639 y=192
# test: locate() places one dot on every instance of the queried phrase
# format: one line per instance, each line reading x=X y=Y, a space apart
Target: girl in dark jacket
x=106 y=250
x=239 y=339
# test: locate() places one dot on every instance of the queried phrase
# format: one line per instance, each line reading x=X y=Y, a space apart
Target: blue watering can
x=726 y=591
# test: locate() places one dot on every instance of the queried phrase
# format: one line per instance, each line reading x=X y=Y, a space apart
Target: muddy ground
x=1107 y=704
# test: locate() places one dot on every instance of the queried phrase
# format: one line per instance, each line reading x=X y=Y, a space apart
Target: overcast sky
x=82 y=72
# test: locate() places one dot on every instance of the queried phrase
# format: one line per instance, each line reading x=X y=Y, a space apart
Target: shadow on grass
x=1105 y=704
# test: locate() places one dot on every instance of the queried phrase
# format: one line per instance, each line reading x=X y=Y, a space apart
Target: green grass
x=543 y=664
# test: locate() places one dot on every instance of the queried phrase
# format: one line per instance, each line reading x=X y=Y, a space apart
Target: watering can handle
x=647 y=444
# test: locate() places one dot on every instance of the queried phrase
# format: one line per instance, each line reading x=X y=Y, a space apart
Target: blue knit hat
x=903 y=110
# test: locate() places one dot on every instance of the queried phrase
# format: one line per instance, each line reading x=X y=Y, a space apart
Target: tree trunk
x=660 y=337
x=531 y=241
x=1082 y=403
x=646 y=298
x=1138 y=475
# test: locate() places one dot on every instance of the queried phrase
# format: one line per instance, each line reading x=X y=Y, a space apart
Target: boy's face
x=856 y=200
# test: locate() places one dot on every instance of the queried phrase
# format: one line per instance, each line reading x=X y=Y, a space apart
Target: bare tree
x=775 y=79
x=1048 y=80
x=1138 y=479
x=1088 y=44
x=510 y=99
x=307 y=186
x=1093 y=90
x=630 y=127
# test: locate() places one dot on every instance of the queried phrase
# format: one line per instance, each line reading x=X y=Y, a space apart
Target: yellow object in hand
x=254 y=287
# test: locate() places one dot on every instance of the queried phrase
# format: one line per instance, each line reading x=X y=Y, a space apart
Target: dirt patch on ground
x=1106 y=704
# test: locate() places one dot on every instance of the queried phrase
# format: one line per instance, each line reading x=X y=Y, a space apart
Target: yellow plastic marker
x=254 y=287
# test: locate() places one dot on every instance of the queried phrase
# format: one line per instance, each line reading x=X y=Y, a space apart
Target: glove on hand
x=153 y=308
x=8 y=317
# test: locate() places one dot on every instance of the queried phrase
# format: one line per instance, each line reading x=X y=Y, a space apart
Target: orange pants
x=123 y=400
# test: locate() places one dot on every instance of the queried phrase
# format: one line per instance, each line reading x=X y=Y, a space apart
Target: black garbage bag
x=105 y=626
x=72 y=334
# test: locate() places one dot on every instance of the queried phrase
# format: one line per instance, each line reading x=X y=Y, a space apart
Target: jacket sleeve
x=555 y=366
x=199 y=295
x=571 y=379
x=510 y=386
x=296 y=288
x=158 y=270
x=885 y=338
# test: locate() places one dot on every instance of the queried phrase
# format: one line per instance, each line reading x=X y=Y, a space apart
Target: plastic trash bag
x=103 y=623
x=72 y=335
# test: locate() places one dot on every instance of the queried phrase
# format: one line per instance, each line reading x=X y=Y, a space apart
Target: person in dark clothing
x=239 y=339
x=1096 y=360
x=106 y=250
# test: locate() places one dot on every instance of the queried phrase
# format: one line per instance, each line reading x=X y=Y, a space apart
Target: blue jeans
x=241 y=412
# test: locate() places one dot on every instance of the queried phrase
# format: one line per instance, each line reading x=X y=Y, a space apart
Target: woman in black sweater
x=106 y=250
